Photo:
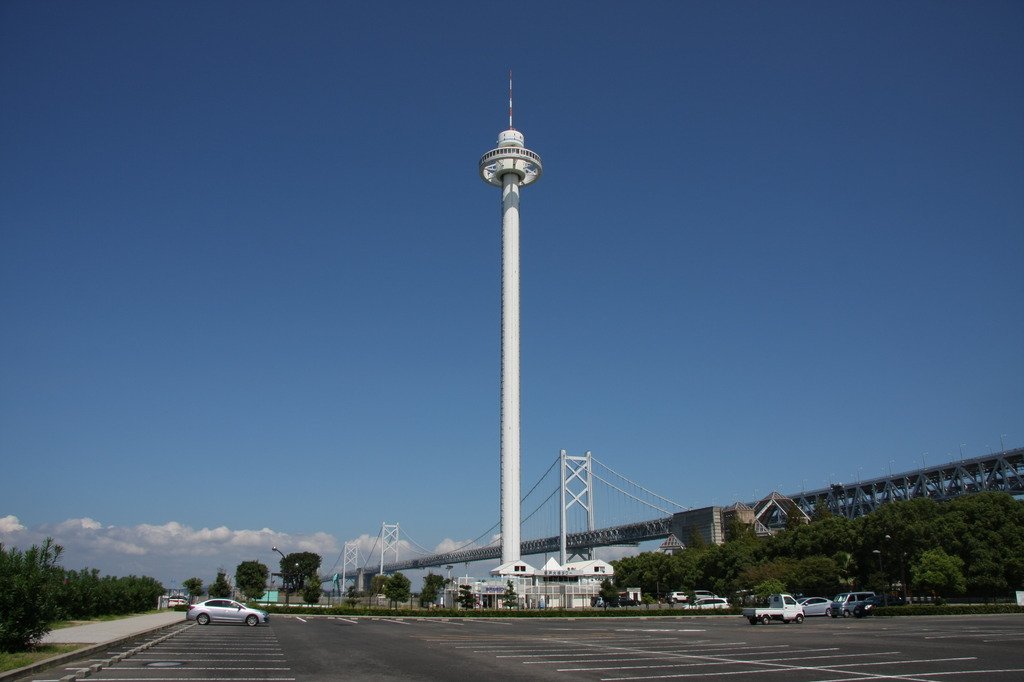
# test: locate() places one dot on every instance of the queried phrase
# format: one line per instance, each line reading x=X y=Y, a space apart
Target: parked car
x=628 y=601
x=710 y=603
x=176 y=601
x=844 y=603
x=225 y=611
x=684 y=597
x=816 y=606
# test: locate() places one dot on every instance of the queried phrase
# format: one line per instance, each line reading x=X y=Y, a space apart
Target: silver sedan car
x=816 y=606
x=225 y=611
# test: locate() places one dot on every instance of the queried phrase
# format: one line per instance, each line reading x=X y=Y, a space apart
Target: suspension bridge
x=592 y=505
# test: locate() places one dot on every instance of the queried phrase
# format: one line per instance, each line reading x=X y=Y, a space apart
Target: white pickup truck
x=780 y=607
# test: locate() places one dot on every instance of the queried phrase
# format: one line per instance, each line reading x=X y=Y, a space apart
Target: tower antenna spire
x=510 y=100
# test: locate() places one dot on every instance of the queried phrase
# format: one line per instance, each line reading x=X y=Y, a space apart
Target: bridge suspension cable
x=634 y=483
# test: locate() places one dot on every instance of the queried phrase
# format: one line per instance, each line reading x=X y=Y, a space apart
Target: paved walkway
x=111 y=630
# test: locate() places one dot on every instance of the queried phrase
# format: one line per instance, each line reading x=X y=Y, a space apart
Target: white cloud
x=168 y=552
x=10 y=524
x=73 y=525
x=449 y=545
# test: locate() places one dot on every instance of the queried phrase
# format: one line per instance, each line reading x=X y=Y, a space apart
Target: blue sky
x=249 y=276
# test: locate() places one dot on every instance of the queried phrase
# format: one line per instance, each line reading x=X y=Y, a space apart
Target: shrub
x=27 y=594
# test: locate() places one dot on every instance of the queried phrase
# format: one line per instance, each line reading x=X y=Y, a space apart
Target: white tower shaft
x=510 y=400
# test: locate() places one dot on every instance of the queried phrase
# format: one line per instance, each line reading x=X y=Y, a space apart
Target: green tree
x=608 y=591
x=939 y=573
x=509 y=599
x=397 y=589
x=377 y=584
x=251 y=578
x=815 y=575
x=297 y=566
x=721 y=565
x=658 y=573
x=313 y=589
x=767 y=588
x=987 y=532
x=433 y=584
x=194 y=587
x=467 y=599
x=220 y=589
x=778 y=571
x=28 y=582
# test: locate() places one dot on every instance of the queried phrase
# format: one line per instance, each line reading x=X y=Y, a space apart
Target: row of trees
x=972 y=544
x=35 y=591
x=300 y=572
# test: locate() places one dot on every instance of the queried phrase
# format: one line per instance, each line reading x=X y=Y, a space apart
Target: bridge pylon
x=388 y=542
x=351 y=559
x=576 y=485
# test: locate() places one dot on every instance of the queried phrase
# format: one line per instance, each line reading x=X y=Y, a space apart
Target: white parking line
x=697 y=661
x=656 y=656
x=301 y=620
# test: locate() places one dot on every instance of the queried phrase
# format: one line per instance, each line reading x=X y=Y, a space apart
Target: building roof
x=514 y=568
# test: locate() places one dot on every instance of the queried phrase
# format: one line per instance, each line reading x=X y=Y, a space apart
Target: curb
x=11 y=675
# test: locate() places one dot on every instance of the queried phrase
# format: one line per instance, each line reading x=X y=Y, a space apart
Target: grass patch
x=34 y=655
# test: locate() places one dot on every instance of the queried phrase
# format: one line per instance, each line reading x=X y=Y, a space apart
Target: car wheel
x=828 y=612
x=846 y=614
x=203 y=619
x=753 y=621
x=765 y=619
x=799 y=618
x=252 y=619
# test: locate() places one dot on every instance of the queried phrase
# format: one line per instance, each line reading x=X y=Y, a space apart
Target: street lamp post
x=284 y=574
x=881 y=569
x=448 y=588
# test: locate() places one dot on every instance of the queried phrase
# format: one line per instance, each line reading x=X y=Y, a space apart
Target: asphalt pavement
x=327 y=648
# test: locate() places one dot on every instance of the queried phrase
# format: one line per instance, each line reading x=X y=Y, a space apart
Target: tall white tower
x=510 y=166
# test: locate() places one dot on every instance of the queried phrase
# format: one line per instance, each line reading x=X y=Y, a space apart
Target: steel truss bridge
x=1002 y=472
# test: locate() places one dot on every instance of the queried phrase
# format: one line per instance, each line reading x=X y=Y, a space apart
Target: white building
x=554 y=586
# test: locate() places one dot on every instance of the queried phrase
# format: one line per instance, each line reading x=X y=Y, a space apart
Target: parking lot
x=821 y=649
